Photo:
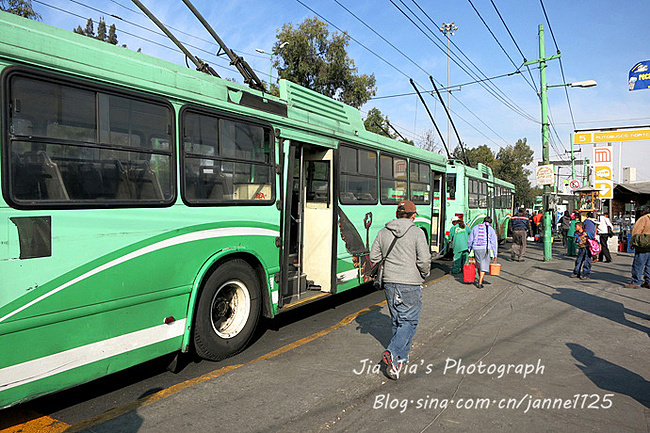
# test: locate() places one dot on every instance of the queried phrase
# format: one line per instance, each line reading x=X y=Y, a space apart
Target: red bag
x=469 y=273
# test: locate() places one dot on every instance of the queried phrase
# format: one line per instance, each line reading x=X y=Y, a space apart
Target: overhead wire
x=496 y=88
x=514 y=42
x=499 y=43
x=457 y=60
x=566 y=91
x=121 y=30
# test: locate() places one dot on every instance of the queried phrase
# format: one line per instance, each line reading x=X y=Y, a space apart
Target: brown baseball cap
x=407 y=206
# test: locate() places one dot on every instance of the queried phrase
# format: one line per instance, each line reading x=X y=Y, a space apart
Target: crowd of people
x=584 y=236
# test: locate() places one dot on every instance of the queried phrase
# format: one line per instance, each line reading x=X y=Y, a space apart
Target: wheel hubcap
x=230 y=309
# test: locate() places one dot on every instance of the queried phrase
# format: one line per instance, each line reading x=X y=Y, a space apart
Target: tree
x=482 y=154
x=508 y=164
x=319 y=62
x=22 y=8
x=378 y=123
x=101 y=35
x=427 y=141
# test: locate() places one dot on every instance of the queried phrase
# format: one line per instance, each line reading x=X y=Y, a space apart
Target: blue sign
x=640 y=76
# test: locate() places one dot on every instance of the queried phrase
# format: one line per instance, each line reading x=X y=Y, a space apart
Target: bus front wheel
x=228 y=311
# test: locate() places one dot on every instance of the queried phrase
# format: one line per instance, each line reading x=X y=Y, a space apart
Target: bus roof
x=306 y=114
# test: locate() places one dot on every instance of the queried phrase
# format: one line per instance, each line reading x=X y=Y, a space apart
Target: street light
x=548 y=247
x=261 y=51
x=448 y=30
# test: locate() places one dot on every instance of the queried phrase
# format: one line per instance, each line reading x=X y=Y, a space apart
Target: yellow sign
x=609 y=136
x=603 y=172
x=606 y=188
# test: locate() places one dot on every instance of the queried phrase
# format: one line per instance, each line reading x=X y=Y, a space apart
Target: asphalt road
x=534 y=350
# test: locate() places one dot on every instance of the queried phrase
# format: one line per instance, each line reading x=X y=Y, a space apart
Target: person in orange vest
x=537 y=219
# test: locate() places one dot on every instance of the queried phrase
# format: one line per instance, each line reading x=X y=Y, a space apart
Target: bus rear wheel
x=228 y=311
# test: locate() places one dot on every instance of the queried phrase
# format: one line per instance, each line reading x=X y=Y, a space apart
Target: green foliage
x=319 y=61
x=378 y=123
x=102 y=35
x=22 y=8
x=508 y=164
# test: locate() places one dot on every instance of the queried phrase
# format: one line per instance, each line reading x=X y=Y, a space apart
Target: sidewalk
x=588 y=343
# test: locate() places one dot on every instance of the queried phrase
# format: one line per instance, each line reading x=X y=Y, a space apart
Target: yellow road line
x=144 y=401
x=46 y=424
x=40 y=424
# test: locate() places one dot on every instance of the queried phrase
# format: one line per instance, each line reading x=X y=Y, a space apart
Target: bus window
x=318 y=185
x=393 y=179
x=79 y=146
x=451 y=186
x=358 y=176
x=225 y=160
x=483 y=194
x=473 y=193
x=419 y=183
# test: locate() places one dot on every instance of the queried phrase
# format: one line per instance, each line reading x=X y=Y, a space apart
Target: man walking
x=565 y=224
x=641 y=244
x=405 y=269
x=605 y=229
x=520 y=229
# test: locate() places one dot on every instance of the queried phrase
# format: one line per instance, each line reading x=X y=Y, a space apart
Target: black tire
x=228 y=311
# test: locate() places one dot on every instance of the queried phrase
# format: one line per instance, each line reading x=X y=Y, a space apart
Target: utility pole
x=548 y=247
x=448 y=30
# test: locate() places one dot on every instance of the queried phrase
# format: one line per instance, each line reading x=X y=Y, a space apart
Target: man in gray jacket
x=405 y=269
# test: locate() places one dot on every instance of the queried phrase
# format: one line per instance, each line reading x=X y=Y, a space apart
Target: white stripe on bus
x=346 y=276
x=41 y=368
x=189 y=237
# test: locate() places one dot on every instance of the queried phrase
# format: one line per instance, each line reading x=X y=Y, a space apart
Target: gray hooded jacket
x=409 y=262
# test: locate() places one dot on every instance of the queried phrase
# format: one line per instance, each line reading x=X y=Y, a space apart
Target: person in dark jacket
x=405 y=269
x=520 y=229
x=565 y=223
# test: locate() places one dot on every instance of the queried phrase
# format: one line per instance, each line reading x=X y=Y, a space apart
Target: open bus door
x=437 y=235
x=308 y=220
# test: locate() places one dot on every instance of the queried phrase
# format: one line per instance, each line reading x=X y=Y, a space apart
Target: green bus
x=149 y=209
x=474 y=193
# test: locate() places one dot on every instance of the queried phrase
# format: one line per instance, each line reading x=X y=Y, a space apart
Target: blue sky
x=598 y=39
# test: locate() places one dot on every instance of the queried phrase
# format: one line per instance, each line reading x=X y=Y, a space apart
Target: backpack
x=594 y=247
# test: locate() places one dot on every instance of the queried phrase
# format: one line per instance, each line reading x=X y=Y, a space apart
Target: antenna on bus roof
x=200 y=65
x=460 y=143
x=242 y=66
x=431 y=117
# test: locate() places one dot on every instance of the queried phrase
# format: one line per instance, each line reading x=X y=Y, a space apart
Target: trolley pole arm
x=431 y=117
x=200 y=65
x=242 y=66
x=460 y=143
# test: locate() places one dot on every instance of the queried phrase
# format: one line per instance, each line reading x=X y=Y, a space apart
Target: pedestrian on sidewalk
x=605 y=231
x=565 y=224
x=484 y=243
x=405 y=269
x=459 y=238
x=582 y=267
x=537 y=224
x=641 y=243
x=520 y=229
x=591 y=225
x=571 y=247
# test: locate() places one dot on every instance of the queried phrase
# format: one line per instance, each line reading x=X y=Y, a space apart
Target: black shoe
x=645 y=285
x=521 y=260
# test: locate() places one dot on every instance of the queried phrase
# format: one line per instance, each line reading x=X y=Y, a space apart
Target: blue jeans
x=641 y=268
x=583 y=261
x=404 y=303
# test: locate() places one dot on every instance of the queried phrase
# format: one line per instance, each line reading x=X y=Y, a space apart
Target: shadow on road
x=609 y=376
x=608 y=309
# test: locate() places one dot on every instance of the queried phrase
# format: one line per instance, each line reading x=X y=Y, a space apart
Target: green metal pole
x=548 y=247
x=573 y=159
